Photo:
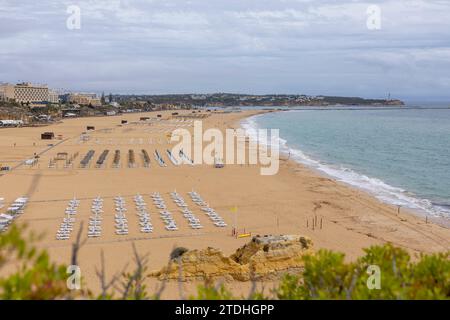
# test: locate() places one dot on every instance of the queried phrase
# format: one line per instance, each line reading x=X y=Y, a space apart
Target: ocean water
x=401 y=156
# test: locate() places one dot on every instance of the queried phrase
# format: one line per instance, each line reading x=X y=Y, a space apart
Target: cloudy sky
x=245 y=46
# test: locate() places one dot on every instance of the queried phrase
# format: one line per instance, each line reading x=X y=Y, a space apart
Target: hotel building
x=25 y=92
x=85 y=99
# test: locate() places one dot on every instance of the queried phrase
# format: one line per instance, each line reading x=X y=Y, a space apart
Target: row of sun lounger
x=84 y=138
x=87 y=159
x=143 y=214
x=95 y=221
x=166 y=216
x=151 y=141
x=131 y=159
x=101 y=161
x=116 y=161
x=18 y=206
x=211 y=213
x=69 y=162
x=66 y=226
x=51 y=164
x=193 y=221
x=172 y=158
x=145 y=158
x=159 y=159
x=102 y=158
x=185 y=159
x=5 y=221
x=12 y=212
x=120 y=218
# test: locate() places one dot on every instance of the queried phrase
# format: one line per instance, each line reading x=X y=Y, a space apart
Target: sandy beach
x=284 y=203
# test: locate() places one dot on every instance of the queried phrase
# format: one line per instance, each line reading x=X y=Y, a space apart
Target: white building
x=2 y=94
x=53 y=96
x=25 y=92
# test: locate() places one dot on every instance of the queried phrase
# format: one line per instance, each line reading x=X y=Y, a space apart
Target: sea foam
x=374 y=186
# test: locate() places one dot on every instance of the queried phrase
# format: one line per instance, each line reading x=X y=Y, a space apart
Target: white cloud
x=229 y=45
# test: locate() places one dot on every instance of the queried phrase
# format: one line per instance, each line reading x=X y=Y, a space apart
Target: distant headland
x=34 y=103
x=275 y=100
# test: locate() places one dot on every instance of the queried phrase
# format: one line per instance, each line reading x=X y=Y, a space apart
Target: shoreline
x=417 y=212
x=408 y=217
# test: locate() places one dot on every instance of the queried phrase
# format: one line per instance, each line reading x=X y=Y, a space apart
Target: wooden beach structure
x=48 y=136
x=61 y=156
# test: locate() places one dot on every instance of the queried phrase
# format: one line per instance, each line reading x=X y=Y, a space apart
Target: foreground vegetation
x=383 y=272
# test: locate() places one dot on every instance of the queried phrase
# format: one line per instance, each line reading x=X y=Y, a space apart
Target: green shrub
x=326 y=275
x=34 y=276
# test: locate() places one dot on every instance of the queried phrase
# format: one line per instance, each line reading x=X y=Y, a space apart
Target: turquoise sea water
x=402 y=156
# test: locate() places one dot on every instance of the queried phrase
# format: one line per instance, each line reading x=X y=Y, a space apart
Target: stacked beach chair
x=116 y=161
x=87 y=159
x=159 y=159
x=172 y=158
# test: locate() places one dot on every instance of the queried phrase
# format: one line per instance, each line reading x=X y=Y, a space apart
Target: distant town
x=27 y=103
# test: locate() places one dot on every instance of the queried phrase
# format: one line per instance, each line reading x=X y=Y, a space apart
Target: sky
x=329 y=47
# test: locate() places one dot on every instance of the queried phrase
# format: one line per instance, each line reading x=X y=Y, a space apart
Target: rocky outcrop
x=262 y=258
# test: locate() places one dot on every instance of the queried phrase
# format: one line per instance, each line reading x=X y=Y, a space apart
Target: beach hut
x=47 y=136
